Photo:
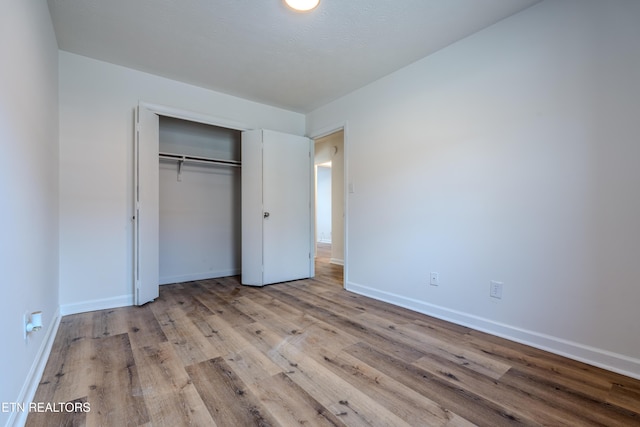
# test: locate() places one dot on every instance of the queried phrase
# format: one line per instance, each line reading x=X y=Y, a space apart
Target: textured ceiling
x=261 y=50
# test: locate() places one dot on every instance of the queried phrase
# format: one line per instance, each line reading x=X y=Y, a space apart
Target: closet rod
x=197 y=159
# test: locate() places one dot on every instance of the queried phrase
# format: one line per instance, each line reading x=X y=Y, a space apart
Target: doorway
x=329 y=213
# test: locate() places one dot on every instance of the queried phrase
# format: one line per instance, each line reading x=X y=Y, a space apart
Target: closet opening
x=199 y=201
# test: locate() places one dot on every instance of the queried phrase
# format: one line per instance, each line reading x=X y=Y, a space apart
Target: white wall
x=323 y=204
x=29 y=190
x=200 y=234
x=97 y=101
x=511 y=155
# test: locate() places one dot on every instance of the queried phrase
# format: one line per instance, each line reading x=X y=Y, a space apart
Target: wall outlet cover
x=434 y=280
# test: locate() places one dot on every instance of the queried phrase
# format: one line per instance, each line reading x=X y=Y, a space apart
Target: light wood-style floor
x=308 y=353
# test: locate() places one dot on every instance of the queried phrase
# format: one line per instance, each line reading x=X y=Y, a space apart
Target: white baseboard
x=128 y=300
x=97 y=304
x=167 y=280
x=336 y=261
x=324 y=240
x=605 y=359
x=19 y=418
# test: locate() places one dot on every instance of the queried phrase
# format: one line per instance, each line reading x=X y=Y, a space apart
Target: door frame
x=192 y=116
x=325 y=131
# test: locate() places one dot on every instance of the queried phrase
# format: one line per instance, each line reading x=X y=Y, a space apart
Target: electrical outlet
x=434 y=280
x=495 y=289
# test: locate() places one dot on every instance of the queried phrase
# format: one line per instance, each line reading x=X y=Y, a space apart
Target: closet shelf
x=181 y=158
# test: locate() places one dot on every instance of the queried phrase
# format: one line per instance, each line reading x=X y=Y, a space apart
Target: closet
x=213 y=198
x=199 y=201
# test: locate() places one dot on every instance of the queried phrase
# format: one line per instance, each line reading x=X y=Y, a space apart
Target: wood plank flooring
x=308 y=353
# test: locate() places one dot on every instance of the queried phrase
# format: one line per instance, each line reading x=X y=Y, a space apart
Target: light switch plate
x=495 y=289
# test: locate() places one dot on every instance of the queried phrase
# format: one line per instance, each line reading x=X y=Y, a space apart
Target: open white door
x=146 y=199
x=277 y=171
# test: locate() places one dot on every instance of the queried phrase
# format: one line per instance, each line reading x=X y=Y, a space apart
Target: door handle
x=266 y=215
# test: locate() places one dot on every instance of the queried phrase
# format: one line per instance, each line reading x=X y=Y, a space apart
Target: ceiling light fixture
x=302 y=5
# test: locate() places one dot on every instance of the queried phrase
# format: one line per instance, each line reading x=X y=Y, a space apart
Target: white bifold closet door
x=146 y=266
x=277 y=234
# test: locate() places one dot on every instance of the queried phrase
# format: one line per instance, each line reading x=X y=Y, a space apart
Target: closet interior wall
x=200 y=203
